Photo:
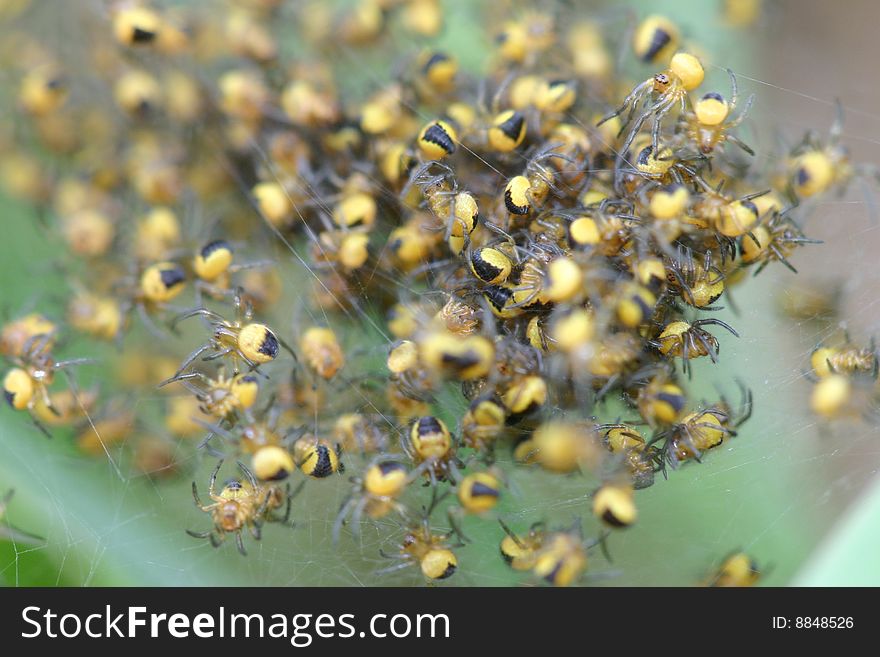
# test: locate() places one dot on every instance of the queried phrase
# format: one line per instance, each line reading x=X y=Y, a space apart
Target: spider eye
x=661 y=82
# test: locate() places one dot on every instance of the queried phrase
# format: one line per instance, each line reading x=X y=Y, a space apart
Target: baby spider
x=221 y=397
x=519 y=551
x=737 y=570
x=538 y=280
x=660 y=400
x=376 y=493
x=528 y=191
x=632 y=451
x=708 y=126
x=457 y=211
x=699 y=284
x=240 y=339
x=159 y=283
x=424 y=547
x=428 y=443
x=240 y=505
x=815 y=167
x=478 y=493
x=689 y=341
x=26 y=384
x=557 y=557
x=482 y=424
x=848 y=359
x=316 y=457
x=660 y=93
x=213 y=266
x=704 y=429
x=729 y=217
x=357 y=432
x=773 y=239
x=277 y=497
x=663 y=166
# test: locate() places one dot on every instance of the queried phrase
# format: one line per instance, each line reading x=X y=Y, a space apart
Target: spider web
x=775 y=490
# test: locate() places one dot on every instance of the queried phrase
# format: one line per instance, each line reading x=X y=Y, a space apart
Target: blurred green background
x=802 y=499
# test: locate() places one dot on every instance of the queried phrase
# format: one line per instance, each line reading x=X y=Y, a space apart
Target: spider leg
x=252 y=480
x=151 y=326
x=288 y=507
x=716 y=322
x=204 y=312
x=705 y=344
x=72 y=362
x=685 y=355
x=202 y=535
x=513 y=536
x=189 y=360
x=734 y=91
x=39 y=425
x=195 y=493
x=287 y=348
x=612 y=380
x=780 y=257
x=218 y=354
x=836 y=130
x=631 y=100
x=358 y=515
x=36 y=345
x=741 y=144
x=396 y=567
x=453 y=514
x=344 y=510
x=660 y=109
x=748 y=405
x=213 y=479
x=689 y=443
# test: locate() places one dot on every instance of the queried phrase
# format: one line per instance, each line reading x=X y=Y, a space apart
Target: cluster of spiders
x=439 y=286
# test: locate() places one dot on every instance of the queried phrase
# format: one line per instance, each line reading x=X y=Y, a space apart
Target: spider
x=699 y=284
x=531 y=281
x=240 y=339
x=240 y=505
x=457 y=211
x=477 y=494
x=660 y=400
x=213 y=266
x=662 y=166
x=376 y=493
x=529 y=190
x=814 y=166
x=704 y=429
x=422 y=546
x=688 y=341
x=220 y=397
x=727 y=216
x=159 y=283
x=520 y=551
x=773 y=239
x=660 y=93
x=482 y=424
x=847 y=358
x=27 y=383
x=632 y=452
x=558 y=558
x=428 y=443
x=708 y=126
